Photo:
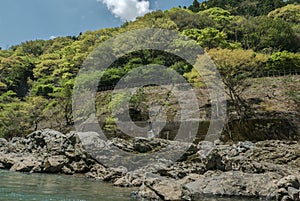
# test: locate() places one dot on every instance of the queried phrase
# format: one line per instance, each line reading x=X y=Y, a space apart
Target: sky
x=23 y=20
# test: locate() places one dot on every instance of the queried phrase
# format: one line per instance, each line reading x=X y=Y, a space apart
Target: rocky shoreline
x=267 y=170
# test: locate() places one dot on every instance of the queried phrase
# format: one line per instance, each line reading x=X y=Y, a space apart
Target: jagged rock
x=8 y=160
x=286 y=198
x=234 y=183
x=27 y=164
x=145 y=192
x=289 y=181
x=97 y=172
x=79 y=167
x=162 y=188
x=281 y=193
x=130 y=179
x=181 y=170
x=115 y=174
x=67 y=170
x=54 y=164
x=294 y=193
x=3 y=142
x=267 y=169
x=168 y=190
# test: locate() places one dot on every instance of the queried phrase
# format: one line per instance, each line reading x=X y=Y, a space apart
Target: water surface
x=44 y=187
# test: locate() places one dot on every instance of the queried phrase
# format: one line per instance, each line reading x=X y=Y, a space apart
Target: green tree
x=13 y=116
x=195 y=7
x=210 y=38
x=14 y=73
x=244 y=7
x=235 y=66
x=185 y=19
x=35 y=107
x=47 y=64
x=267 y=33
x=63 y=100
x=284 y=61
x=289 y=13
x=221 y=16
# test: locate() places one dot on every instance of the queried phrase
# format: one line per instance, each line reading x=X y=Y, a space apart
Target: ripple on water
x=43 y=187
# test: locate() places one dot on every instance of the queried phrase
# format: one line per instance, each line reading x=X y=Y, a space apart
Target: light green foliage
x=156 y=19
x=36 y=77
x=289 y=13
x=63 y=100
x=118 y=100
x=194 y=78
x=235 y=66
x=284 y=61
x=135 y=100
x=245 y=7
x=220 y=16
x=110 y=125
x=47 y=64
x=210 y=38
x=13 y=116
x=235 y=62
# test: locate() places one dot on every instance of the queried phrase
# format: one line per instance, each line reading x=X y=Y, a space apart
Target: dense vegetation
x=37 y=77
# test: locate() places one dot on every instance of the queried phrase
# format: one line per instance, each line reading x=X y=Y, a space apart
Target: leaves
x=36 y=77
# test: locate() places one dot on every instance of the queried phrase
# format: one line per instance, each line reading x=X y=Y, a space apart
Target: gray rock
x=294 y=193
x=54 y=164
x=281 y=193
x=7 y=160
x=234 y=183
x=79 y=167
x=3 y=142
x=268 y=169
x=289 y=181
x=27 y=164
x=97 y=172
x=168 y=190
x=286 y=198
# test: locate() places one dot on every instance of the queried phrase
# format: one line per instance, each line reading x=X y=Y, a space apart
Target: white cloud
x=52 y=37
x=127 y=10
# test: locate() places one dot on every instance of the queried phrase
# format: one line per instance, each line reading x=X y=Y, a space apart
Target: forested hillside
x=37 y=77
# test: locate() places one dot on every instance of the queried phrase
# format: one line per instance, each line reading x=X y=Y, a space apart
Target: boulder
x=234 y=183
x=8 y=160
x=294 y=193
x=27 y=164
x=3 y=142
x=79 y=167
x=54 y=164
x=168 y=190
x=289 y=181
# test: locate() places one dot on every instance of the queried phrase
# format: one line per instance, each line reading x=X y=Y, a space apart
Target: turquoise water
x=43 y=187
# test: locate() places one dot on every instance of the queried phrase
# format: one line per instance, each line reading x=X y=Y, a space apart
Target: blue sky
x=22 y=20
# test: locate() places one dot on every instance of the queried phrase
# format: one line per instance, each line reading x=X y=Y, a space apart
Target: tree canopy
x=37 y=77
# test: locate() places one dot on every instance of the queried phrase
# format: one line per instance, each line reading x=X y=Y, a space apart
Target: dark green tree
x=195 y=7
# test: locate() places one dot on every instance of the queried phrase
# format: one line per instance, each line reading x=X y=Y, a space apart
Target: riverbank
x=263 y=170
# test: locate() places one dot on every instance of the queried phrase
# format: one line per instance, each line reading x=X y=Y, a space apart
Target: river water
x=44 y=187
